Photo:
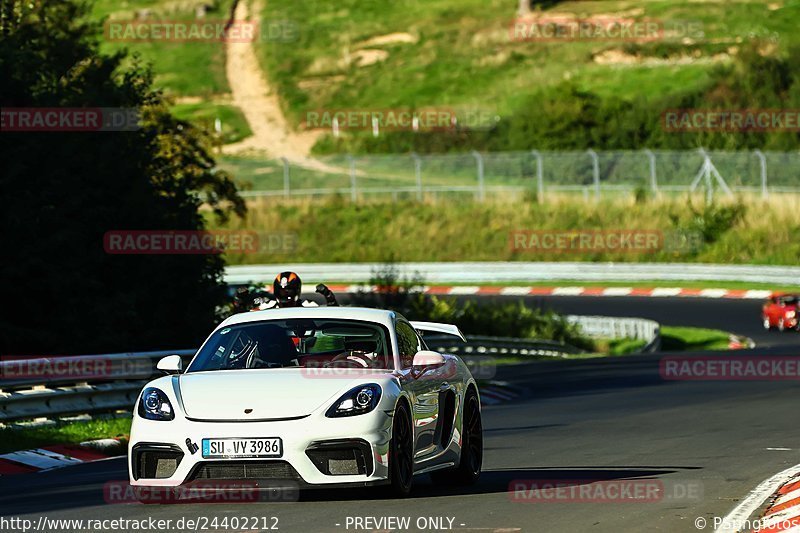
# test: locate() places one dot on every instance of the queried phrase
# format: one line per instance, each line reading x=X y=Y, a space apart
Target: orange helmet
x=286 y=288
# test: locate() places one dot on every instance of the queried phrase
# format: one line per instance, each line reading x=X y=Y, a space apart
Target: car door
x=423 y=388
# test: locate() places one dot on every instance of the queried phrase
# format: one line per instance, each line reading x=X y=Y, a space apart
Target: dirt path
x=259 y=103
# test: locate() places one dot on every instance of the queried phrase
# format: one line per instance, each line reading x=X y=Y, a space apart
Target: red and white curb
x=56 y=456
x=656 y=292
x=784 y=512
x=784 y=516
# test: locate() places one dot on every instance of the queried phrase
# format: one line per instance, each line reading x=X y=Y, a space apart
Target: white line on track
x=757 y=295
x=617 y=291
x=756 y=498
x=714 y=293
x=515 y=291
x=666 y=291
x=568 y=291
x=41 y=459
x=464 y=290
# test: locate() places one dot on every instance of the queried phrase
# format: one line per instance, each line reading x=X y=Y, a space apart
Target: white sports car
x=314 y=396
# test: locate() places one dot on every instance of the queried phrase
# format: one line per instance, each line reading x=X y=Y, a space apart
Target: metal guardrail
x=521 y=271
x=498 y=346
x=620 y=328
x=50 y=387
x=36 y=387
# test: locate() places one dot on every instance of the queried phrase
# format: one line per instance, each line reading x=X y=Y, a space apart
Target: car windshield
x=790 y=300
x=296 y=343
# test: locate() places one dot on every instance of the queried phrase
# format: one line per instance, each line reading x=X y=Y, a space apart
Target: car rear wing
x=435 y=327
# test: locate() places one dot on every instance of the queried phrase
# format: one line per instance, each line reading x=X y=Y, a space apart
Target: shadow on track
x=36 y=494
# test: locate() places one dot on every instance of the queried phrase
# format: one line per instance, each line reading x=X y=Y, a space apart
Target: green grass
x=625 y=346
x=204 y=114
x=337 y=231
x=463 y=54
x=181 y=68
x=673 y=339
x=14 y=439
x=680 y=339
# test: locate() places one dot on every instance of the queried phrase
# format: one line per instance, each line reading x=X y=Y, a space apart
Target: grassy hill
x=462 y=52
x=462 y=55
x=191 y=73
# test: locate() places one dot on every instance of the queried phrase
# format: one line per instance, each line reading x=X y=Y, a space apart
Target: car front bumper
x=314 y=451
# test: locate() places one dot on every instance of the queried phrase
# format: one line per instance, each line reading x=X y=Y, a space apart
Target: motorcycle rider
x=248 y=298
x=286 y=290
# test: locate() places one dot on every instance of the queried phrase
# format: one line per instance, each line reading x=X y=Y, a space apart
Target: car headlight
x=154 y=405
x=356 y=401
x=790 y=314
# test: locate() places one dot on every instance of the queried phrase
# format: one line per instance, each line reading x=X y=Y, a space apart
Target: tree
x=61 y=293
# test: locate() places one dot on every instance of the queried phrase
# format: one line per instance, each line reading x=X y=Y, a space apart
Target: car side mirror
x=427 y=358
x=171 y=364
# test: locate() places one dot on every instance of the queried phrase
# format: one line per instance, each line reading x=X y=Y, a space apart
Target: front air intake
x=155 y=461
x=341 y=458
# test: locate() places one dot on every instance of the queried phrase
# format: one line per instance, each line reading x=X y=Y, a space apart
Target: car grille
x=241 y=470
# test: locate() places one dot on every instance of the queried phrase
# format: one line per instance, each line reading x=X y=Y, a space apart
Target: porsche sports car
x=781 y=311
x=319 y=397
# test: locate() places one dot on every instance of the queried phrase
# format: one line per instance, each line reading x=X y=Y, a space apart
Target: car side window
x=408 y=344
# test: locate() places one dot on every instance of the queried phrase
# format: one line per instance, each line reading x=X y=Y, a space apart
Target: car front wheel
x=401 y=454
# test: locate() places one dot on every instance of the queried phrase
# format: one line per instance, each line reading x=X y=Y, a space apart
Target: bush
x=492 y=319
x=713 y=220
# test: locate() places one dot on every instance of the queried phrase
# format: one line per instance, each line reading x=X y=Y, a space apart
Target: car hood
x=267 y=393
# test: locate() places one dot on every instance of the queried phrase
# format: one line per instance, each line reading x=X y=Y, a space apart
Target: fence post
x=653 y=176
x=539 y=176
x=418 y=174
x=763 y=163
x=709 y=183
x=479 y=159
x=353 y=190
x=286 y=184
x=595 y=173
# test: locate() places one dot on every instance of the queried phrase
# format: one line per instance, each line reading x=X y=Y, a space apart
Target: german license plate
x=242 y=448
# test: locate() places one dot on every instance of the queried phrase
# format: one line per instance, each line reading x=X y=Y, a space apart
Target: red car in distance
x=781 y=311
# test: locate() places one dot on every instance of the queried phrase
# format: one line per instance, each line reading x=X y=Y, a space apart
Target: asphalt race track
x=707 y=444
x=742 y=317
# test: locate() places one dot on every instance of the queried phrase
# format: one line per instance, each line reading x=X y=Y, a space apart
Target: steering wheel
x=351 y=359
